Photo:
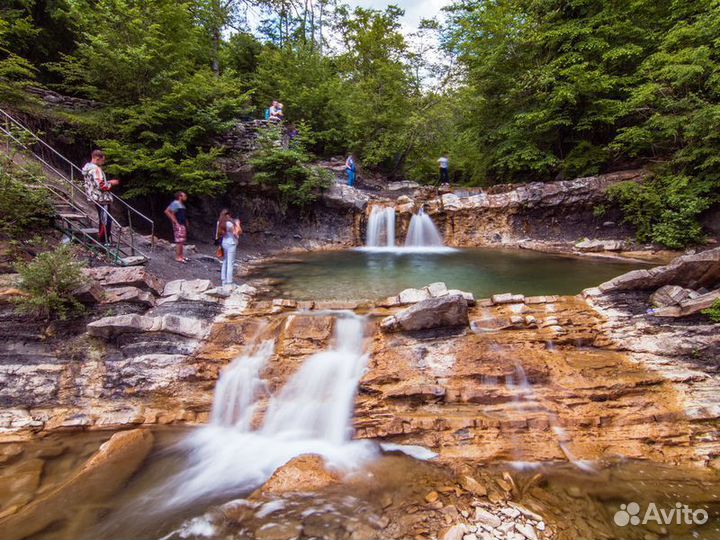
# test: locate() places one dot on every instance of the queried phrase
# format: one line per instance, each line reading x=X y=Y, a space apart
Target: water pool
x=371 y=274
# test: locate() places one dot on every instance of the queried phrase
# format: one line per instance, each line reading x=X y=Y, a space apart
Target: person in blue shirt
x=350 y=170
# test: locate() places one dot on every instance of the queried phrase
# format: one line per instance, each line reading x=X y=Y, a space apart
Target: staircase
x=76 y=216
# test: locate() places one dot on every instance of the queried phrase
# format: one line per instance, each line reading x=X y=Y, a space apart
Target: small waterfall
x=422 y=232
x=240 y=387
x=381 y=228
x=312 y=414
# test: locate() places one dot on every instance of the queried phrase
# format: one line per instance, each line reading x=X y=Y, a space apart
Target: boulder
x=444 y=311
x=412 y=296
x=689 y=306
x=689 y=271
x=305 y=473
x=671 y=295
x=133 y=276
x=132 y=295
x=101 y=476
x=468 y=296
x=345 y=197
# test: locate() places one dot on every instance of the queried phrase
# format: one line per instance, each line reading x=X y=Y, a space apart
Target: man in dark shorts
x=175 y=212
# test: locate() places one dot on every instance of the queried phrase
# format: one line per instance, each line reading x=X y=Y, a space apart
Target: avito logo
x=681 y=514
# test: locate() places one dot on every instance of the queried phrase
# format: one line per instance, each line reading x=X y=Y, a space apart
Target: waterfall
x=381 y=228
x=311 y=414
x=422 y=232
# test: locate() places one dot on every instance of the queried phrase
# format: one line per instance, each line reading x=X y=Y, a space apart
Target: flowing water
x=363 y=275
x=381 y=228
x=422 y=232
x=311 y=414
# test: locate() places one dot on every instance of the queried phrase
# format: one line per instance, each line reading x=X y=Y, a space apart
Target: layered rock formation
x=550 y=216
x=671 y=341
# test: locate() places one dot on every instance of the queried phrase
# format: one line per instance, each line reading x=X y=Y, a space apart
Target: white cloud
x=415 y=10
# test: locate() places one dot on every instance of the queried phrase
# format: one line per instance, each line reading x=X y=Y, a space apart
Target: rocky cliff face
x=511 y=215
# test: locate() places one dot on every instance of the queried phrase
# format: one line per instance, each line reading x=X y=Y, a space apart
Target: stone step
x=72 y=216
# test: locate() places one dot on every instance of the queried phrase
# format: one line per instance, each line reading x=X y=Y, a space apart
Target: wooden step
x=89 y=230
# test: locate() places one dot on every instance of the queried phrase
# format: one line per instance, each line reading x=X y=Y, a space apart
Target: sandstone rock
x=690 y=306
x=432 y=497
x=445 y=311
x=468 y=296
x=120 y=324
x=418 y=391
x=343 y=196
x=404 y=199
x=456 y=532
x=89 y=293
x=103 y=474
x=132 y=295
x=189 y=286
x=437 y=289
x=473 y=486
x=670 y=295
x=301 y=474
x=527 y=531
x=504 y=298
x=599 y=245
x=108 y=327
x=690 y=271
x=412 y=296
x=112 y=276
x=485 y=517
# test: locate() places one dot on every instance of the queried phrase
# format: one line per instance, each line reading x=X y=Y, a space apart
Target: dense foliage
x=50 y=280
x=285 y=165
x=521 y=90
x=713 y=312
x=23 y=210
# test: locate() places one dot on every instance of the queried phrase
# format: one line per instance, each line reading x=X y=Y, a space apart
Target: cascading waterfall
x=381 y=228
x=422 y=232
x=311 y=415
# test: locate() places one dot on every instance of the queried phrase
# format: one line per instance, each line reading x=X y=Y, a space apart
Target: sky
x=415 y=10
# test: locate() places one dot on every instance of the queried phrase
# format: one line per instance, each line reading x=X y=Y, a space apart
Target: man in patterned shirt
x=97 y=189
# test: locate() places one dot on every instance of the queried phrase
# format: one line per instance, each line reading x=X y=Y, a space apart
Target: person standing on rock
x=350 y=170
x=176 y=213
x=444 y=164
x=229 y=230
x=97 y=190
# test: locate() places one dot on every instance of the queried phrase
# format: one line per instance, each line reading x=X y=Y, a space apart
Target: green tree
x=286 y=169
x=167 y=143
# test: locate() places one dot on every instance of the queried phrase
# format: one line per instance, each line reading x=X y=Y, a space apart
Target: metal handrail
x=73 y=168
x=118 y=229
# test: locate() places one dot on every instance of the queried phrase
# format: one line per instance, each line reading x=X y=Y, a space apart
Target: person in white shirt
x=97 y=189
x=228 y=232
x=444 y=163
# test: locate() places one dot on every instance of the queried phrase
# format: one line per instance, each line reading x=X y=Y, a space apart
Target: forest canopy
x=514 y=90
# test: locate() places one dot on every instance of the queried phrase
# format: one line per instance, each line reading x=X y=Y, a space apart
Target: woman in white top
x=229 y=231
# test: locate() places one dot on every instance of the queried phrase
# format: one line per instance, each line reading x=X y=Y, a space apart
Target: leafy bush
x=713 y=312
x=50 y=279
x=663 y=210
x=286 y=168
x=23 y=210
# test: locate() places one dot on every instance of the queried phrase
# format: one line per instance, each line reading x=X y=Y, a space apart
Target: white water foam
x=381 y=228
x=311 y=415
x=422 y=232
